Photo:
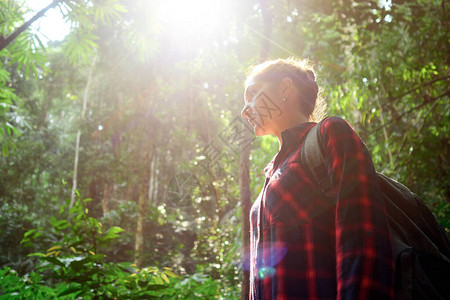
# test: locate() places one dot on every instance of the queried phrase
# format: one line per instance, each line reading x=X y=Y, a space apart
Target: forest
x=126 y=169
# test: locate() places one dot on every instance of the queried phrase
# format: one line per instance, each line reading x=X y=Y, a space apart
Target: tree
x=24 y=49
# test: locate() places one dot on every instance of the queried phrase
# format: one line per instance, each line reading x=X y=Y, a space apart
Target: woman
x=302 y=247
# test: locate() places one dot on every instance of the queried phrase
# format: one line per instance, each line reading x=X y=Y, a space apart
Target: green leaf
x=156 y=287
x=29 y=232
x=171 y=274
x=5 y=150
x=111 y=289
x=95 y=257
x=108 y=10
x=70 y=291
x=165 y=278
x=158 y=280
x=54 y=261
x=36 y=254
x=61 y=224
x=80 y=46
x=77 y=265
x=114 y=230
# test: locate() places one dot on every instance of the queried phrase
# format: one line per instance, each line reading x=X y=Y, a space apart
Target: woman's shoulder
x=338 y=130
x=334 y=122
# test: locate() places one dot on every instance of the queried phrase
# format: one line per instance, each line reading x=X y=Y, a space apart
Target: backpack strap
x=313 y=159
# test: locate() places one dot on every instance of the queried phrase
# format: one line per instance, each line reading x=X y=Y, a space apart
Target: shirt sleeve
x=364 y=262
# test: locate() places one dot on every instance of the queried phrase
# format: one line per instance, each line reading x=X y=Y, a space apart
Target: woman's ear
x=286 y=87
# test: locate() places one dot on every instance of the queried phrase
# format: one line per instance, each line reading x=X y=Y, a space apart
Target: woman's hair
x=312 y=104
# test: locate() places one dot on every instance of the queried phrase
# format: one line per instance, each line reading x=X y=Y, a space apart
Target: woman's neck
x=290 y=123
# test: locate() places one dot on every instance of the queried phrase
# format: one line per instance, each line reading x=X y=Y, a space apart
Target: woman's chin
x=259 y=131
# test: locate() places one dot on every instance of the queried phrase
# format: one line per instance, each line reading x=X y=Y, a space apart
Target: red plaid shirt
x=303 y=246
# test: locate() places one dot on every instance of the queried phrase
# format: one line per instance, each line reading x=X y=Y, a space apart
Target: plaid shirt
x=304 y=247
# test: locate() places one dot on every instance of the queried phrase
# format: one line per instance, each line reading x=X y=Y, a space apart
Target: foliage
x=12 y=222
x=13 y=286
x=27 y=52
x=194 y=287
x=75 y=266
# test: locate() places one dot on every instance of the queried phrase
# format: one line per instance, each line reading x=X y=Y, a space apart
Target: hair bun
x=310 y=74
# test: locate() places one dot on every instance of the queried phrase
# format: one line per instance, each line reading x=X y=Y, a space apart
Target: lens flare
x=266 y=272
x=267 y=258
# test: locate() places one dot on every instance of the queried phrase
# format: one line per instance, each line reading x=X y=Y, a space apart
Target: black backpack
x=421 y=246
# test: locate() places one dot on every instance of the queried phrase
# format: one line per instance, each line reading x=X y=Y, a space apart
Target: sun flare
x=194 y=17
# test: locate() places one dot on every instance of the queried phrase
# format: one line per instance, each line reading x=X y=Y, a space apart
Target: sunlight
x=51 y=26
x=186 y=19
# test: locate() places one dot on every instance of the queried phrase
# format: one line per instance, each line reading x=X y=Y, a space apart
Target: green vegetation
x=76 y=264
x=153 y=103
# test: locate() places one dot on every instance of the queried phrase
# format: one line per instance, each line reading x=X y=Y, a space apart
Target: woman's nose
x=246 y=111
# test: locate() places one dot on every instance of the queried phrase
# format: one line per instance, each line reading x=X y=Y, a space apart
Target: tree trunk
x=385 y=133
x=105 y=199
x=153 y=179
x=77 y=143
x=145 y=186
x=244 y=182
x=139 y=242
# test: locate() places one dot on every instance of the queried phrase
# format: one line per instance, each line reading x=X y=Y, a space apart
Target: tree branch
x=15 y=34
x=77 y=143
x=419 y=86
x=411 y=110
x=421 y=127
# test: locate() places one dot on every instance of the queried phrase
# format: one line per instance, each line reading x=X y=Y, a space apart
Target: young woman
x=301 y=246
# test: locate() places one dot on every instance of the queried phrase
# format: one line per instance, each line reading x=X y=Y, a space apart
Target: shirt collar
x=293 y=135
x=291 y=139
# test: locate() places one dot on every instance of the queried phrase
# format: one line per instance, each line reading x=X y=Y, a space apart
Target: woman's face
x=262 y=107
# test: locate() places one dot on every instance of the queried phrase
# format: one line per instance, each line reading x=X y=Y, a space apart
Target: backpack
x=421 y=246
